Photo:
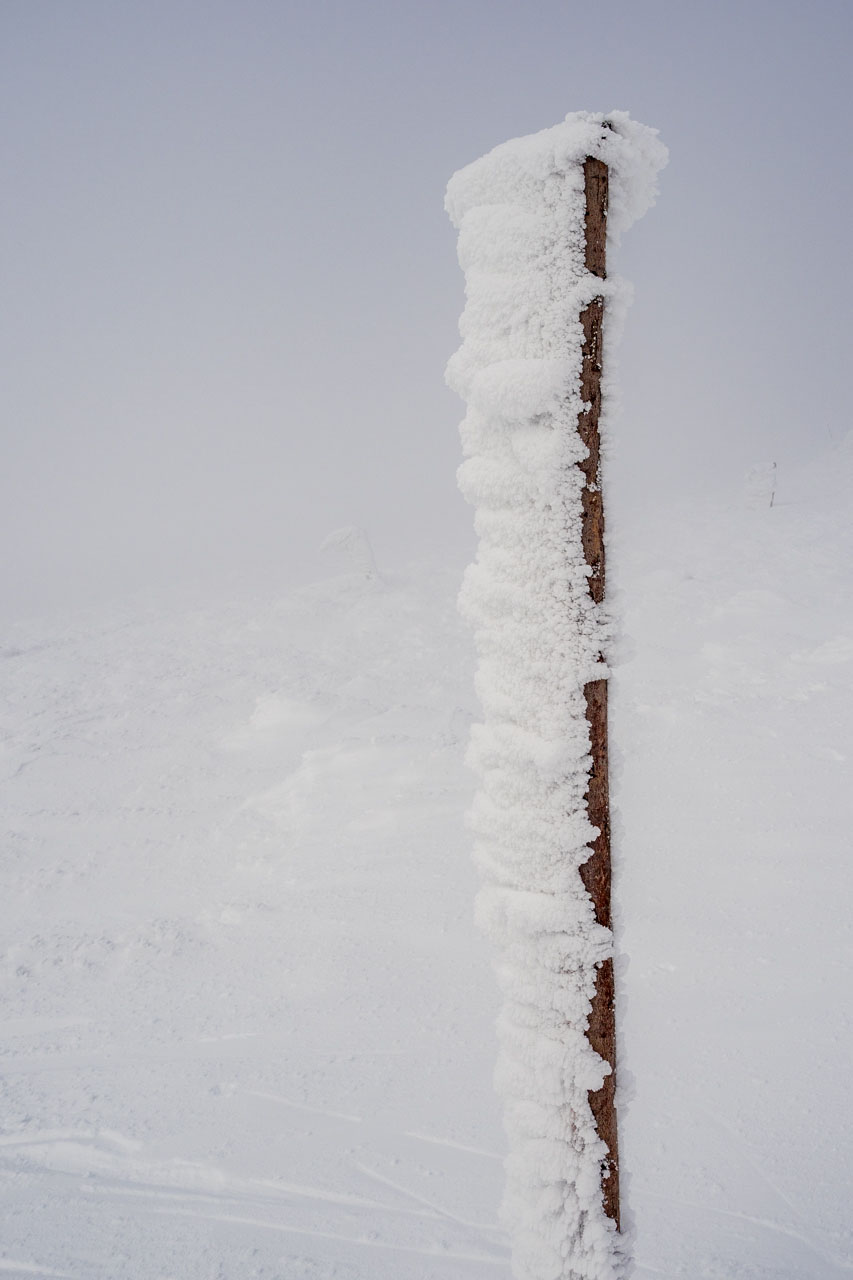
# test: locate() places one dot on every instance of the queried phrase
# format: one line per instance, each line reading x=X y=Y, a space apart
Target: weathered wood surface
x=596 y=872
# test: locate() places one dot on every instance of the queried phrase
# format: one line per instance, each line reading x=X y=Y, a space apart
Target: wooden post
x=595 y=873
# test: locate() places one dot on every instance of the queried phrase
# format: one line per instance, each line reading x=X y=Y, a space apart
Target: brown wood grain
x=596 y=872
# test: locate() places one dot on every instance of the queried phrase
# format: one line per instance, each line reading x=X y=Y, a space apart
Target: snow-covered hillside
x=733 y=741
x=247 y=1021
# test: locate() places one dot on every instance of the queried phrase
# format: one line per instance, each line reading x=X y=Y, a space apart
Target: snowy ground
x=247 y=1024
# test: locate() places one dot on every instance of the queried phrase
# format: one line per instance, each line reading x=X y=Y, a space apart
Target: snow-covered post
x=531 y=217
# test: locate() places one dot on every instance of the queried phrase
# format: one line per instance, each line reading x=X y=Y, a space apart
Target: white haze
x=230 y=289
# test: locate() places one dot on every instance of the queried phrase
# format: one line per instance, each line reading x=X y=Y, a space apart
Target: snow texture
x=245 y=1020
x=540 y=639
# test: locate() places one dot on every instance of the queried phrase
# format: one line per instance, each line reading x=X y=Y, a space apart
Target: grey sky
x=230 y=288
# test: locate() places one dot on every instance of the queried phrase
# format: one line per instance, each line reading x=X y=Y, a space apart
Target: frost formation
x=520 y=215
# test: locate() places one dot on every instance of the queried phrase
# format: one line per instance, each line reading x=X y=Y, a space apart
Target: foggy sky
x=230 y=288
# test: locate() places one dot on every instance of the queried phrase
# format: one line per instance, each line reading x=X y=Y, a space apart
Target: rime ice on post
x=541 y=633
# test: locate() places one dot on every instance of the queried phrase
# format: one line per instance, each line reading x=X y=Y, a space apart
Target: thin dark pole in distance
x=596 y=872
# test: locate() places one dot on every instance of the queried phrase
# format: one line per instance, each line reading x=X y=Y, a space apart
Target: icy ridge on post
x=520 y=215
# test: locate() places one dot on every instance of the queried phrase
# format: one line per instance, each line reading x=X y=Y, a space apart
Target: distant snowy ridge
x=520 y=216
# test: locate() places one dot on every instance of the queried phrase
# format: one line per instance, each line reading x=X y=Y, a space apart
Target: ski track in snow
x=15 y=1266
x=247 y=1023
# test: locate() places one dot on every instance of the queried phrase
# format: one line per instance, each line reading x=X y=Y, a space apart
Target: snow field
x=240 y=959
x=733 y=732
x=247 y=1021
